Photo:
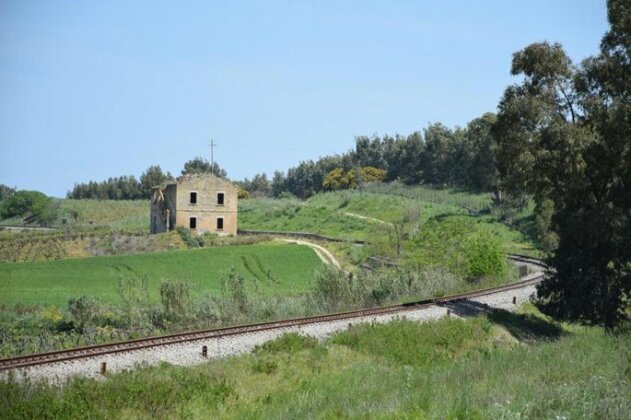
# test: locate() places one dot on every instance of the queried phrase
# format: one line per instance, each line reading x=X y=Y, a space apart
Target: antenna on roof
x=212 y=156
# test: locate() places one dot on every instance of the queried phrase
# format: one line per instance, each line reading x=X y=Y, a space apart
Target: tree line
x=459 y=157
x=130 y=188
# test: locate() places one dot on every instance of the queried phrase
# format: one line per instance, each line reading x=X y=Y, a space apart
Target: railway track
x=172 y=339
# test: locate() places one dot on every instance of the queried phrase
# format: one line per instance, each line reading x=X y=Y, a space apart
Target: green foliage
x=137 y=393
x=334 y=290
x=234 y=295
x=457 y=157
x=175 y=297
x=418 y=344
x=190 y=239
x=83 y=310
x=259 y=186
x=563 y=136
x=548 y=239
x=194 y=240
x=152 y=177
x=135 y=302
x=6 y=192
x=337 y=179
x=116 y=188
x=199 y=165
x=334 y=180
x=23 y=203
x=462 y=246
x=289 y=343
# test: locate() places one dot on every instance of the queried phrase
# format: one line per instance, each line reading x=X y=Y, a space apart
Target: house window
x=193 y=197
x=220 y=199
x=220 y=223
x=192 y=223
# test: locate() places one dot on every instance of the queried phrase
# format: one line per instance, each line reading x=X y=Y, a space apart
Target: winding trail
x=325 y=255
x=372 y=219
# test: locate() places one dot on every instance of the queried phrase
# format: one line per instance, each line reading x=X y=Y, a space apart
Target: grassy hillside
x=117 y=214
x=280 y=268
x=336 y=213
x=333 y=214
x=328 y=213
x=498 y=366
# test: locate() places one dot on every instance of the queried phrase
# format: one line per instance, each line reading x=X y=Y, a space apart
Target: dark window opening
x=220 y=199
x=220 y=223
x=192 y=223
x=193 y=198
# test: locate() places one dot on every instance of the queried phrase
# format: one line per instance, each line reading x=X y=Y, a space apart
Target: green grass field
x=116 y=214
x=280 y=268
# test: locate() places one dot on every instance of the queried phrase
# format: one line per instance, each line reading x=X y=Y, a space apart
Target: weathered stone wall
x=207 y=209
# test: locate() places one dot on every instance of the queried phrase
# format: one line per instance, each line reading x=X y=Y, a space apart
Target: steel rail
x=177 y=338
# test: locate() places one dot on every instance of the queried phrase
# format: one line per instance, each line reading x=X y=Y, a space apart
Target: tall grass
x=449 y=196
x=476 y=368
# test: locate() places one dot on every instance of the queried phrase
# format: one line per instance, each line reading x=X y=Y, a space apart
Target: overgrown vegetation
x=28 y=204
x=460 y=245
x=501 y=365
x=141 y=306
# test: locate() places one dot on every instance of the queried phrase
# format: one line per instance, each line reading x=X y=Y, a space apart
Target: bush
x=83 y=310
x=464 y=247
x=189 y=239
x=287 y=343
x=234 y=303
x=24 y=202
x=334 y=290
x=175 y=299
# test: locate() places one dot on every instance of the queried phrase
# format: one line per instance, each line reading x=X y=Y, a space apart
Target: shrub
x=175 y=299
x=189 y=239
x=36 y=203
x=287 y=343
x=234 y=302
x=83 y=310
x=457 y=243
x=134 y=295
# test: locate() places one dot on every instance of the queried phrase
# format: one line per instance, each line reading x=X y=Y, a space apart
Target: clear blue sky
x=93 y=89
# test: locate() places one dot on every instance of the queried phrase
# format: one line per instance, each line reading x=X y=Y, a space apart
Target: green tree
x=199 y=165
x=333 y=180
x=23 y=203
x=278 y=183
x=372 y=174
x=563 y=136
x=151 y=177
x=6 y=192
x=404 y=226
x=481 y=171
x=83 y=310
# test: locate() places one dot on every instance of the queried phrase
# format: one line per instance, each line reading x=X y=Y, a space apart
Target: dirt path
x=324 y=254
x=372 y=219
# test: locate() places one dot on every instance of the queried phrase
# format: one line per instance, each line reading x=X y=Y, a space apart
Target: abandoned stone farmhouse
x=200 y=202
